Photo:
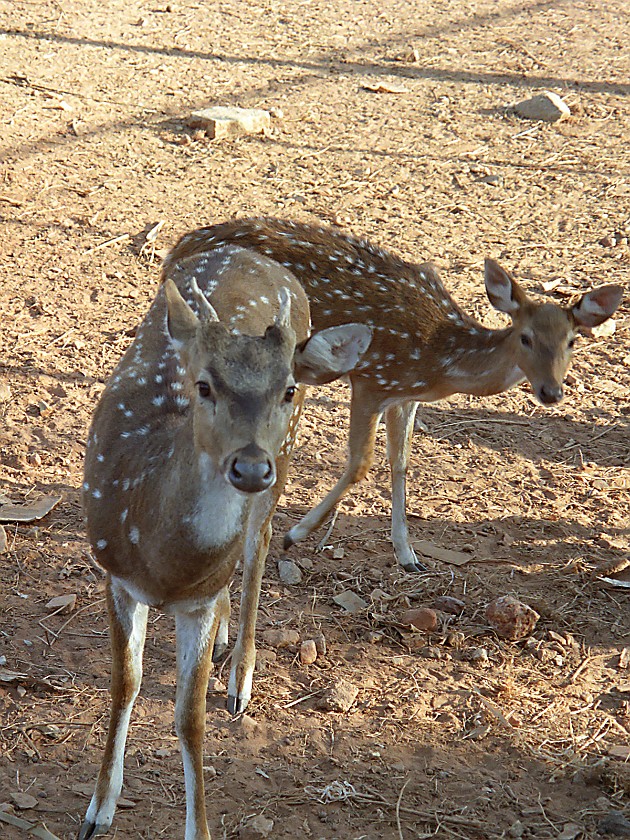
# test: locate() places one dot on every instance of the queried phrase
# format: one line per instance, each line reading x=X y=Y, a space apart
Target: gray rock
x=546 y=106
x=221 y=121
x=289 y=572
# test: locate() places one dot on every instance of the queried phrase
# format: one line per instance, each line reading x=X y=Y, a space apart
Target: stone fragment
x=215 y=685
x=422 y=618
x=510 y=618
x=289 y=572
x=350 y=601
x=62 y=603
x=546 y=106
x=308 y=652
x=221 y=121
x=264 y=659
x=614 y=823
x=255 y=828
x=23 y=801
x=339 y=697
x=320 y=644
x=281 y=638
x=449 y=604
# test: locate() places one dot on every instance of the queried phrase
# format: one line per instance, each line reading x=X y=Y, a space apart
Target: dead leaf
x=30 y=511
x=446 y=555
x=604 y=330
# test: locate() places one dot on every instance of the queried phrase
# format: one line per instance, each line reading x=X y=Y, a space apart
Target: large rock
x=222 y=121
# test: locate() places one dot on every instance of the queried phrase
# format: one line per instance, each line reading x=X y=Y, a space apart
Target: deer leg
x=364 y=417
x=257 y=541
x=223 y=625
x=399 y=421
x=128 y=624
x=196 y=632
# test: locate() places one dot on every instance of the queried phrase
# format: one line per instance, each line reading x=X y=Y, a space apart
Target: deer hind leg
x=364 y=417
x=196 y=628
x=128 y=624
x=223 y=624
x=399 y=421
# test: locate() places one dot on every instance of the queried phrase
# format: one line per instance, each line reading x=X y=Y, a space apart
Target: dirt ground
x=456 y=734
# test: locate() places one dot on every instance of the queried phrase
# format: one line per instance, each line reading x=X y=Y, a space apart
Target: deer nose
x=251 y=470
x=550 y=394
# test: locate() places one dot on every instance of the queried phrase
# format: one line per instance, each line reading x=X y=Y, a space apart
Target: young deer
x=186 y=458
x=424 y=348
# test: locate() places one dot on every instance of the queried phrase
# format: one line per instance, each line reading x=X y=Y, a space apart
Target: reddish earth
x=455 y=733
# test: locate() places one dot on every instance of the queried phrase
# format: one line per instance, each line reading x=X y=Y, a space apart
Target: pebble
x=546 y=106
x=422 y=618
x=510 y=618
x=320 y=644
x=265 y=659
x=339 y=697
x=350 y=601
x=63 y=603
x=289 y=572
x=449 y=604
x=215 y=685
x=255 y=828
x=308 y=652
x=23 y=801
x=282 y=638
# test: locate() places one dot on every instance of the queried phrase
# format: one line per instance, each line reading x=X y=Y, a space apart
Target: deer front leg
x=196 y=632
x=399 y=421
x=364 y=417
x=128 y=624
x=244 y=654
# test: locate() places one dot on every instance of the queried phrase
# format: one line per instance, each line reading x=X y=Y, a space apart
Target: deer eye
x=571 y=344
x=289 y=394
x=203 y=389
x=526 y=340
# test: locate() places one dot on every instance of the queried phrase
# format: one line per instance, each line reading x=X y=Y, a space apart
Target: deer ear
x=502 y=289
x=597 y=306
x=181 y=321
x=330 y=353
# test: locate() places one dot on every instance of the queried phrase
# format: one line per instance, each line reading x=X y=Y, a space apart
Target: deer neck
x=212 y=510
x=480 y=361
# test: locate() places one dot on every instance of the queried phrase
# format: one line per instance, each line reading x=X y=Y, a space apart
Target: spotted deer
x=186 y=458
x=424 y=347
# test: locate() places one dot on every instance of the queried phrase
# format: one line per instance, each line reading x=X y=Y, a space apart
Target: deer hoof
x=236 y=705
x=90 y=829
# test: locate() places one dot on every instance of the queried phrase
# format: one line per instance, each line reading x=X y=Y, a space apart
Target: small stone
x=5 y=392
x=248 y=725
x=308 y=652
x=480 y=656
x=62 y=603
x=306 y=563
x=339 y=697
x=516 y=830
x=255 y=828
x=350 y=601
x=4 y=545
x=422 y=618
x=215 y=685
x=265 y=659
x=221 y=121
x=289 y=572
x=449 y=604
x=23 y=801
x=546 y=106
x=320 y=644
x=282 y=638
x=510 y=618
x=614 y=823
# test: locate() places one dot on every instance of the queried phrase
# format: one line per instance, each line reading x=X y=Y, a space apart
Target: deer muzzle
x=250 y=469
